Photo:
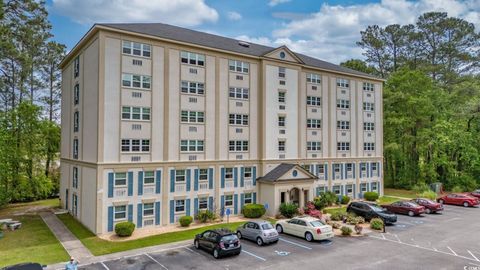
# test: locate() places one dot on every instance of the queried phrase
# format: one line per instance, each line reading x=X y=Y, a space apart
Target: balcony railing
x=349 y=174
x=248 y=183
x=203 y=185
x=229 y=184
x=147 y=190
x=179 y=187
x=120 y=192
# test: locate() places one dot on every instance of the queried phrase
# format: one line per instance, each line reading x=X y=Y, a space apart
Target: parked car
x=430 y=206
x=308 y=227
x=220 y=242
x=25 y=266
x=371 y=210
x=475 y=193
x=260 y=231
x=458 y=199
x=405 y=207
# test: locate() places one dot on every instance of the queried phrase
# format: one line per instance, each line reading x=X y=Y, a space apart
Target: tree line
x=431 y=99
x=29 y=102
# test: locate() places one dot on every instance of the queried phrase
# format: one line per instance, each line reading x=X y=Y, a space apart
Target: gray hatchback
x=260 y=231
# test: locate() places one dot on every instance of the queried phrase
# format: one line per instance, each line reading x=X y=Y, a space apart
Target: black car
x=220 y=242
x=371 y=210
x=25 y=266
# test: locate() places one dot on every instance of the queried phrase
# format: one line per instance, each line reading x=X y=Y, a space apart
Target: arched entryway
x=295 y=196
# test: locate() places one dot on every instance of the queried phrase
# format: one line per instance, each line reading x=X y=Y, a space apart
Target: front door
x=295 y=196
x=282 y=197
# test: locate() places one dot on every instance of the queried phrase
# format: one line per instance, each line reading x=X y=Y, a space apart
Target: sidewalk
x=72 y=245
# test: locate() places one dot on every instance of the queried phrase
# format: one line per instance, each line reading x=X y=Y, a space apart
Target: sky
x=327 y=30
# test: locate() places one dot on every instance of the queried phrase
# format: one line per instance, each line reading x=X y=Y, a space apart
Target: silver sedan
x=260 y=231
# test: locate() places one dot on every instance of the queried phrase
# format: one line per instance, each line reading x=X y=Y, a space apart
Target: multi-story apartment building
x=160 y=122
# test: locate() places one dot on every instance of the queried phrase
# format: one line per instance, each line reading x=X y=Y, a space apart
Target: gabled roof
x=278 y=172
x=286 y=49
x=185 y=35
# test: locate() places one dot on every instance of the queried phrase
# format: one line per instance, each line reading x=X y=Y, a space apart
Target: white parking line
x=163 y=266
x=253 y=255
x=473 y=255
x=104 y=266
x=454 y=253
x=296 y=244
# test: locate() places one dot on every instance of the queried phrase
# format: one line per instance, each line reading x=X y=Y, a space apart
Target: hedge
x=253 y=210
x=124 y=229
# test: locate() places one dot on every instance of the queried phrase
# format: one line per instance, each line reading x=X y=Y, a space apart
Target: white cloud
x=234 y=16
x=273 y=3
x=178 y=12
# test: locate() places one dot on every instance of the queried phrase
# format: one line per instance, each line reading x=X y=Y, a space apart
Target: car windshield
x=229 y=237
x=316 y=223
x=267 y=226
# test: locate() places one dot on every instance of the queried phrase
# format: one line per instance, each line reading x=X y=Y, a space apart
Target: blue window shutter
x=353 y=168
x=235 y=177
x=222 y=205
x=242 y=173
x=317 y=191
x=333 y=171
x=139 y=215
x=242 y=201
x=195 y=206
x=187 y=205
x=130 y=183
x=235 y=204
x=110 y=219
x=368 y=169
x=110 y=185
x=254 y=175
x=354 y=191
x=140 y=183
x=222 y=176
x=130 y=212
x=343 y=170
x=189 y=176
x=369 y=187
x=378 y=187
x=172 y=181
x=172 y=211
x=158 y=182
x=157 y=213
x=326 y=171
x=210 y=178
x=195 y=179
x=210 y=203
x=378 y=169
x=254 y=197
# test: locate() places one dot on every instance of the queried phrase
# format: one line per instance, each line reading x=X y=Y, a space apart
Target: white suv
x=305 y=226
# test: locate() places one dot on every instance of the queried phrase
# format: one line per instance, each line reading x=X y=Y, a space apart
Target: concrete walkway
x=71 y=243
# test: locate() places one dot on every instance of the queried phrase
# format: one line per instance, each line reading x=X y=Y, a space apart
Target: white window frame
x=229 y=173
x=119 y=176
x=180 y=204
x=118 y=210
x=247 y=172
x=282 y=96
x=75 y=148
x=314 y=101
x=363 y=187
x=180 y=176
x=228 y=200
x=370 y=87
x=238 y=146
x=238 y=93
x=145 y=209
x=368 y=126
x=76 y=94
x=135 y=145
x=204 y=201
x=238 y=119
x=314 y=123
x=75 y=177
x=192 y=117
x=282 y=72
x=248 y=198
x=76 y=67
x=238 y=66
x=368 y=146
x=320 y=169
x=131 y=113
x=203 y=175
x=144 y=81
x=343 y=125
x=192 y=88
x=192 y=146
x=148 y=178
x=343 y=146
x=374 y=169
x=368 y=106
x=341 y=82
x=191 y=58
x=76 y=121
x=282 y=120
x=337 y=189
x=314 y=146
x=343 y=104
x=282 y=145
x=314 y=78
x=374 y=186
x=144 y=50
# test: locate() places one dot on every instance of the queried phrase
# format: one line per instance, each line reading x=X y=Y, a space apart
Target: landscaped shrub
x=319 y=203
x=429 y=194
x=253 y=210
x=376 y=224
x=185 y=221
x=337 y=216
x=312 y=211
x=288 y=210
x=457 y=189
x=335 y=225
x=346 y=230
x=354 y=219
x=420 y=188
x=358 y=229
x=345 y=199
x=370 y=196
x=205 y=215
x=124 y=229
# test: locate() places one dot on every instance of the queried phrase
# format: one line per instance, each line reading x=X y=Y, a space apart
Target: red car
x=430 y=206
x=475 y=193
x=458 y=199
x=405 y=207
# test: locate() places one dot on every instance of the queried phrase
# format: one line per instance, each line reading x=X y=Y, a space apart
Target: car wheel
x=465 y=204
x=410 y=213
x=196 y=244
x=239 y=235
x=428 y=211
x=259 y=241
x=279 y=229
x=215 y=253
x=441 y=201
x=309 y=237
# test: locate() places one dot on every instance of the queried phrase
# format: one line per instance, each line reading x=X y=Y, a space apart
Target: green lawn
x=387 y=200
x=400 y=193
x=32 y=243
x=342 y=209
x=100 y=247
x=28 y=206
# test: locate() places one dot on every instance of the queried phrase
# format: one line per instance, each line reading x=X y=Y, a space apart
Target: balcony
x=248 y=183
x=203 y=185
x=120 y=192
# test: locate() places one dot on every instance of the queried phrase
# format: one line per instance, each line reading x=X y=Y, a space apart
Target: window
x=368 y=126
x=320 y=169
x=369 y=146
x=191 y=145
x=281 y=72
x=148 y=178
x=343 y=125
x=363 y=187
x=76 y=94
x=336 y=169
x=192 y=58
x=336 y=190
x=228 y=173
x=135 y=48
x=228 y=200
x=343 y=83
x=238 y=92
x=203 y=174
x=368 y=86
x=349 y=189
x=193 y=88
x=349 y=167
x=75 y=177
x=120 y=179
x=343 y=103
x=314 y=101
x=203 y=203
x=281 y=146
x=180 y=176
x=192 y=117
x=374 y=186
x=374 y=168
x=135 y=113
x=368 y=106
x=281 y=96
x=75 y=148
x=247 y=172
x=148 y=209
x=238 y=66
x=363 y=168
x=238 y=119
x=314 y=78
x=314 y=123
x=343 y=146
x=120 y=212
x=238 y=146
x=248 y=198
x=76 y=121
x=136 y=81
x=179 y=205
x=76 y=67
x=314 y=146
x=281 y=121
x=135 y=145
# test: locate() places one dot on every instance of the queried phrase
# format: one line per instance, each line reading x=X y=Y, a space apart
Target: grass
x=34 y=242
x=22 y=207
x=387 y=200
x=400 y=193
x=100 y=247
x=342 y=209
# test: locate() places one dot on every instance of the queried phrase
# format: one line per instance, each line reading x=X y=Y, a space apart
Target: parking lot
x=449 y=240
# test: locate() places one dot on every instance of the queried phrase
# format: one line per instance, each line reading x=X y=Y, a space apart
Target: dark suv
x=220 y=242
x=371 y=210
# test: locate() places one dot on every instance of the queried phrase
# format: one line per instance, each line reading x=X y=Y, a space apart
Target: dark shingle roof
x=218 y=42
x=279 y=171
